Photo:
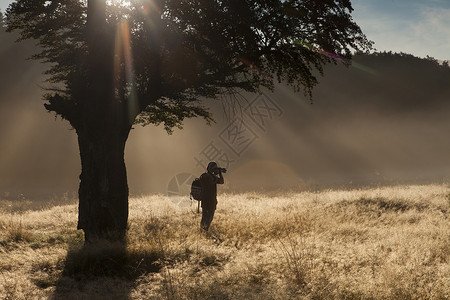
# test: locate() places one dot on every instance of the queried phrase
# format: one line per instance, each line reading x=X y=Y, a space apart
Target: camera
x=222 y=170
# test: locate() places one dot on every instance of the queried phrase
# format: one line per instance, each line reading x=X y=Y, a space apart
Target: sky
x=417 y=27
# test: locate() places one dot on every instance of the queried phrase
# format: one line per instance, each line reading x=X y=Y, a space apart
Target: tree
x=113 y=65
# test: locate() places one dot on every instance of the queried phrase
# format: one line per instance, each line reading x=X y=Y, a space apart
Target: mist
x=382 y=120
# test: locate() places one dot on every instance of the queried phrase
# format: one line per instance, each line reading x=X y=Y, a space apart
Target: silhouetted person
x=209 y=181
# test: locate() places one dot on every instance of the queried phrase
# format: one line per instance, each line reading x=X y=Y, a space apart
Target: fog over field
x=382 y=120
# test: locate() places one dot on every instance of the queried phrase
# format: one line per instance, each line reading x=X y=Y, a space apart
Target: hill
x=380 y=243
x=383 y=119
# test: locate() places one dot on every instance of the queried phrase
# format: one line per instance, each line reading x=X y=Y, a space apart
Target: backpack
x=196 y=189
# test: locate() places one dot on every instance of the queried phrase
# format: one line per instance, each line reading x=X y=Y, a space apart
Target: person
x=209 y=181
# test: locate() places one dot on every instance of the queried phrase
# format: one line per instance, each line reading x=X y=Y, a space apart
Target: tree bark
x=103 y=191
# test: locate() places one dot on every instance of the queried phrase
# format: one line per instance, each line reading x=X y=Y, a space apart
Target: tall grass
x=380 y=243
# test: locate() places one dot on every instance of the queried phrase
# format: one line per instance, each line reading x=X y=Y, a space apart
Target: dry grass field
x=379 y=243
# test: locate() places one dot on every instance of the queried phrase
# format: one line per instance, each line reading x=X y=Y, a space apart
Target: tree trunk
x=103 y=191
x=102 y=130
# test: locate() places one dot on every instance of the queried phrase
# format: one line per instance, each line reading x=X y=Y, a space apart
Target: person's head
x=212 y=167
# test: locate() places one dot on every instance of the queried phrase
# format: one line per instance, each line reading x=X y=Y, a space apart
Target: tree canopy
x=166 y=55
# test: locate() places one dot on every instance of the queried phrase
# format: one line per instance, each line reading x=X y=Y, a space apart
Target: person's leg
x=204 y=223
x=207 y=217
x=210 y=216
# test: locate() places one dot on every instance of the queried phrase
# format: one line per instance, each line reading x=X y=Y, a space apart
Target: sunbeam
x=123 y=63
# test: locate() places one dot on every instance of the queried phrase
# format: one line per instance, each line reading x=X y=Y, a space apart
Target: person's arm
x=219 y=180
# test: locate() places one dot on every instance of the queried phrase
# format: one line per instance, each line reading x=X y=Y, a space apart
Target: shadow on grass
x=103 y=270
